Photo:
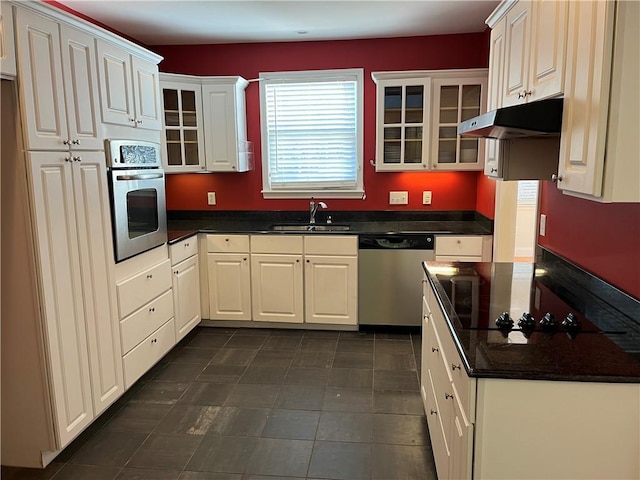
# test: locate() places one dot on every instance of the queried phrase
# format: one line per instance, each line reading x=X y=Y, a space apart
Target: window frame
x=356 y=74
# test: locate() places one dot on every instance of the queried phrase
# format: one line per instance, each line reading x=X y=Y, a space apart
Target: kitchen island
x=557 y=399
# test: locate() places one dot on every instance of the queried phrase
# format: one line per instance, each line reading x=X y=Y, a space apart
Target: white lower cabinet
x=145 y=299
x=277 y=278
x=503 y=428
x=465 y=248
x=331 y=279
x=229 y=277
x=186 y=285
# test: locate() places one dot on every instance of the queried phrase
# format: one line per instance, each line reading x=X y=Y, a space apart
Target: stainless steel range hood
x=534 y=119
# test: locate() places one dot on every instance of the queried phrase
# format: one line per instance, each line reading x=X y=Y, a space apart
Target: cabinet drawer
x=184 y=249
x=148 y=352
x=459 y=245
x=288 y=244
x=143 y=287
x=145 y=321
x=438 y=420
x=228 y=243
x=331 y=245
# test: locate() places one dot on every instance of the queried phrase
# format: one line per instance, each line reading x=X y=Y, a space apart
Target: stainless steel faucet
x=313 y=208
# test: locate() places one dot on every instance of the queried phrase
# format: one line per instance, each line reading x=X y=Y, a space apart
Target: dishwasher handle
x=396 y=242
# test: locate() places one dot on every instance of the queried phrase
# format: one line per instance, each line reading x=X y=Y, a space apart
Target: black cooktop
x=524 y=320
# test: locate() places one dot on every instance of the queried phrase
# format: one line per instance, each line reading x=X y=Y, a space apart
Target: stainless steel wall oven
x=137 y=191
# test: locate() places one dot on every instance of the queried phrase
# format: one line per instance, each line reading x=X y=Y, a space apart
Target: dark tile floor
x=254 y=404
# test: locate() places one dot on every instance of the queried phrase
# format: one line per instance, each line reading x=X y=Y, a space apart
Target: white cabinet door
x=517 y=35
x=183 y=136
x=276 y=288
x=7 y=44
x=94 y=235
x=51 y=181
x=81 y=87
x=456 y=100
x=331 y=289
x=548 y=46
x=146 y=94
x=116 y=85
x=186 y=295
x=225 y=127
x=492 y=166
x=229 y=286
x=42 y=89
x=584 y=116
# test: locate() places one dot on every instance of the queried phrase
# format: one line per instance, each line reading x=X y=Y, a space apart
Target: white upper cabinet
x=183 y=136
x=535 y=38
x=454 y=101
x=129 y=88
x=205 y=126
x=599 y=141
x=492 y=164
x=403 y=107
x=225 y=125
x=7 y=43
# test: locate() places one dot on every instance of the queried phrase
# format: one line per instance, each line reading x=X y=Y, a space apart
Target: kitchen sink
x=326 y=227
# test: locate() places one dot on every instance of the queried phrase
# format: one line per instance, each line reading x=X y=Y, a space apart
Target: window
x=312 y=133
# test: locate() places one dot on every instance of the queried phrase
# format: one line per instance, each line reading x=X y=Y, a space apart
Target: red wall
x=451 y=191
x=603 y=239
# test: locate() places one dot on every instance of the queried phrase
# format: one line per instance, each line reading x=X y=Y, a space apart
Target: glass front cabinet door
x=402 y=124
x=183 y=142
x=454 y=101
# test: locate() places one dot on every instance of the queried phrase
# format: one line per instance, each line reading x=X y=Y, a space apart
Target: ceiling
x=184 y=22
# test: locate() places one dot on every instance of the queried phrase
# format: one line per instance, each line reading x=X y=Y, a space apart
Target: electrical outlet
x=211 y=198
x=398 y=198
x=543 y=225
x=426 y=198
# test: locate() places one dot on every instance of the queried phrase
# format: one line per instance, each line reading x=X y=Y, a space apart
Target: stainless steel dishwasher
x=390 y=277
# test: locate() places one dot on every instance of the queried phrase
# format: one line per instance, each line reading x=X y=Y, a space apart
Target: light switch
x=426 y=198
x=398 y=198
x=211 y=198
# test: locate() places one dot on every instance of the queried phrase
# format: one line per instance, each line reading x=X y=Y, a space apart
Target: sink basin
x=317 y=227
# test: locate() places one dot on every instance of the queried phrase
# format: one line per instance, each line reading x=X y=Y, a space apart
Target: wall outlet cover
x=543 y=224
x=426 y=197
x=398 y=198
x=211 y=198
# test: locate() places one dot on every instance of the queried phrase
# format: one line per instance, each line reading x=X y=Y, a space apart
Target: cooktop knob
x=504 y=322
x=527 y=322
x=571 y=322
x=548 y=322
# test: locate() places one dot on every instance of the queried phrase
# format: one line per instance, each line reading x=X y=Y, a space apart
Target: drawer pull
x=454 y=366
x=434 y=349
x=186 y=244
x=155 y=340
x=226 y=239
x=433 y=412
x=152 y=309
x=458 y=242
x=448 y=396
x=149 y=276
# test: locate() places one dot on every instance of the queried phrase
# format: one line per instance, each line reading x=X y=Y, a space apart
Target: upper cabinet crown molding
x=59 y=15
x=413 y=74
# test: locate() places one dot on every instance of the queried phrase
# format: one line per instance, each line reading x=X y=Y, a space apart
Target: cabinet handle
x=132 y=120
x=556 y=178
x=186 y=244
x=454 y=366
x=458 y=242
x=177 y=272
x=433 y=412
x=308 y=261
x=152 y=309
x=522 y=95
x=67 y=159
x=139 y=122
x=494 y=170
x=528 y=93
x=75 y=142
x=297 y=260
x=77 y=159
x=149 y=276
x=434 y=349
x=226 y=239
x=244 y=259
x=65 y=142
x=448 y=396
x=155 y=340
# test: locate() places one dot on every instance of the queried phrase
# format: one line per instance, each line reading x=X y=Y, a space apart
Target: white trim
x=499 y=12
x=324 y=194
x=410 y=74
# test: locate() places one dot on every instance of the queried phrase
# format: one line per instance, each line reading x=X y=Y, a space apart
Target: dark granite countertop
x=184 y=224
x=606 y=349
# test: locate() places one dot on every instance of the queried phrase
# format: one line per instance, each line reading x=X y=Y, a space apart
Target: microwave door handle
x=141 y=176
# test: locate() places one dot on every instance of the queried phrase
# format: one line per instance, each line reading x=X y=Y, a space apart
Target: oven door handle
x=140 y=176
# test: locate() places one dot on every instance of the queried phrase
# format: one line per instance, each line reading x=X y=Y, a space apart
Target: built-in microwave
x=137 y=193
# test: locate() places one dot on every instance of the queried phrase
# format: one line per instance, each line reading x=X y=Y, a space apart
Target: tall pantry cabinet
x=61 y=351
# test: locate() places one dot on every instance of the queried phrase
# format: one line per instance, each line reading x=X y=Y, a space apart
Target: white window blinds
x=311 y=131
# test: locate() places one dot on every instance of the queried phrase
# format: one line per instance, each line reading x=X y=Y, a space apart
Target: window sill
x=323 y=194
